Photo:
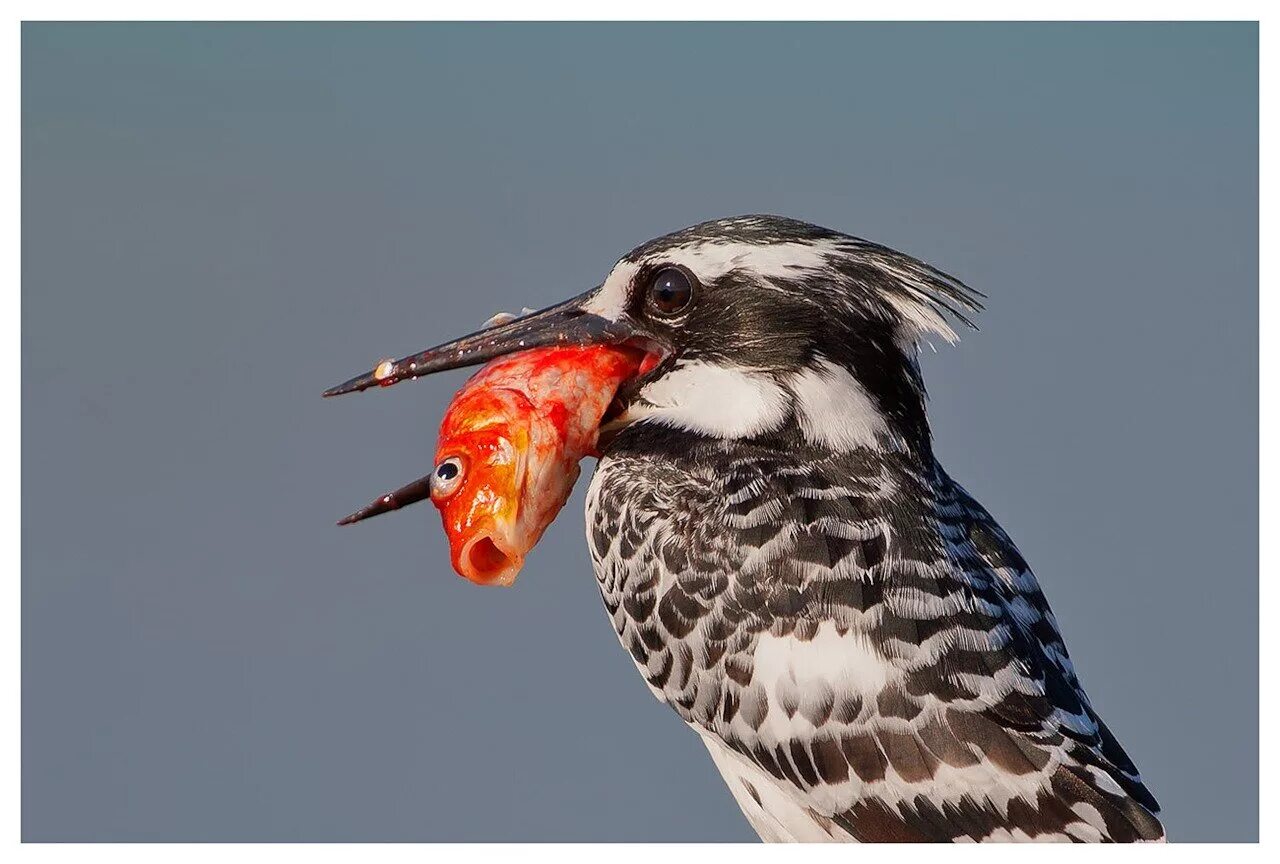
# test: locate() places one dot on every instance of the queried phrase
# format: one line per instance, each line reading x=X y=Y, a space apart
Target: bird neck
x=856 y=395
x=885 y=367
x=653 y=439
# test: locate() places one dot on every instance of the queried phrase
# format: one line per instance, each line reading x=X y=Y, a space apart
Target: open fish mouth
x=487 y=558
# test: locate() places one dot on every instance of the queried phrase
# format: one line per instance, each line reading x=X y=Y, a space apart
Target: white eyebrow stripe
x=611 y=300
x=711 y=259
x=918 y=299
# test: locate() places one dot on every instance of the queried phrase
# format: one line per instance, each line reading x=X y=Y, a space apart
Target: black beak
x=410 y=493
x=567 y=323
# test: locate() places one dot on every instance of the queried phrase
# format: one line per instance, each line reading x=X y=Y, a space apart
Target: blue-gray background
x=221 y=220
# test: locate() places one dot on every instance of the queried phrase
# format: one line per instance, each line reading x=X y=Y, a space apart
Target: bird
x=861 y=647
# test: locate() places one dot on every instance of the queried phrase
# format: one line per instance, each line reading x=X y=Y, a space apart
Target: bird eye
x=670 y=291
x=446 y=477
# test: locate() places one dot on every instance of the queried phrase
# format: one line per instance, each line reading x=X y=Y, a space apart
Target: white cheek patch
x=722 y=401
x=835 y=411
x=829 y=405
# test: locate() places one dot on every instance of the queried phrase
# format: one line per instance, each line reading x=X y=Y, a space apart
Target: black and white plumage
x=861 y=647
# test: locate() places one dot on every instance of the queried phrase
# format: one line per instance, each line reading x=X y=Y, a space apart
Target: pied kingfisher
x=859 y=644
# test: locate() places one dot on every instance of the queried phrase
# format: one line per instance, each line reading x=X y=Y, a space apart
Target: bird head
x=751 y=325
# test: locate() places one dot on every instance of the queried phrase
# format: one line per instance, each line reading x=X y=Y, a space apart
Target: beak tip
x=384 y=374
x=355 y=385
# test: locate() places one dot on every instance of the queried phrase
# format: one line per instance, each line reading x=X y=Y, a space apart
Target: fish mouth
x=488 y=558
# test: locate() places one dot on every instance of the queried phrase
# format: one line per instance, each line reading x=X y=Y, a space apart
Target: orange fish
x=508 y=452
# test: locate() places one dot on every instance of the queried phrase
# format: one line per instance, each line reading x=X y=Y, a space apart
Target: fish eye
x=670 y=291
x=446 y=477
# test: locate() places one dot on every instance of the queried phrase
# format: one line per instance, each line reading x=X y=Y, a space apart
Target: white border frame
x=319 y=10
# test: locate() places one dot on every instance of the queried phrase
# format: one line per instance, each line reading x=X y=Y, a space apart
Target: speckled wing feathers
x=859 y=636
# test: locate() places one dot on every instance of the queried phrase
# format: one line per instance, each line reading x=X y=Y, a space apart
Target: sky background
x=219 y=221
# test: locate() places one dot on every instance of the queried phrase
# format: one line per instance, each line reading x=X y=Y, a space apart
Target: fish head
x=479 y=484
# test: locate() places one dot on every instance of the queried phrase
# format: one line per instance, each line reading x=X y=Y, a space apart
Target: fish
x=509 y=449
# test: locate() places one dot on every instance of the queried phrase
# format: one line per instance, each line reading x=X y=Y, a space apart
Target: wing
x=862 y=637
